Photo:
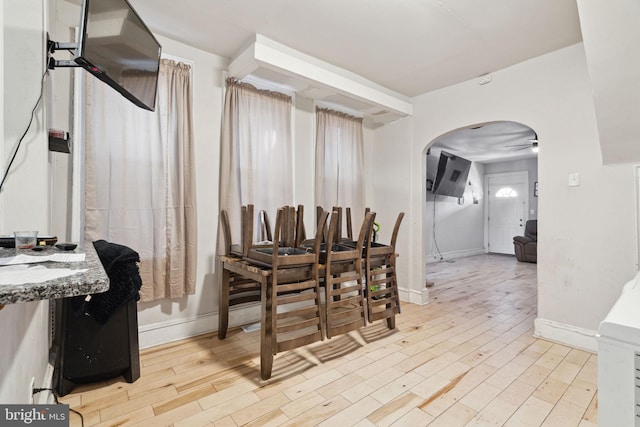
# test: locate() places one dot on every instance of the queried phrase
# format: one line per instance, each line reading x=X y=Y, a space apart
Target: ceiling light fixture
x=534 y=143
x=531 y=143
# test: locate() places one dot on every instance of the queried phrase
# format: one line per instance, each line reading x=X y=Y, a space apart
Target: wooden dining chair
x=343 y=279
x=383 y=300
x=296 y=315
x=236 y=290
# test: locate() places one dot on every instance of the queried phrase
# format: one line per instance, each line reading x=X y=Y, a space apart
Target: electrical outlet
x=32 y=385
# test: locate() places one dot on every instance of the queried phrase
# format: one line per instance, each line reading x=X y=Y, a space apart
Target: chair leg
x=223 y=314
x=266 y=343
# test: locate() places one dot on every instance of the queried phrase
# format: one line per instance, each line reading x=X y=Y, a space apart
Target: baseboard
x=45 y=396
x=446 y=256
x=420 y=297
x=573 y=336
x=169 y=331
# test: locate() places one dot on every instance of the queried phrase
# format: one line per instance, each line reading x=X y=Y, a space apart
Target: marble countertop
x=92 y=281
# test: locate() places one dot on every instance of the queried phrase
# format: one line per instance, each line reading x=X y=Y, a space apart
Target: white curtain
x=256 y=165
x=140 y=180
x=339 y=162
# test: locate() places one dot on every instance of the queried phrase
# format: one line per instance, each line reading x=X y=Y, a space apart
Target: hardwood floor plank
x=480 y=396
x=370 y=385
x=397 y=387
x=271 y=419
x=336 y=387
x=533 y=412
x=227 y=395
x=260 y=409
x=319 y=413
x=517 y=392
x=564 y=414
x=392 y=411
x=141 y=401
x=302 y=404
x=182 y=399
x=172 y=415
x=352 y=414
x=591 y=414
x=457 y=415
x=496 y=413
x=220 y=410
x=414 y=417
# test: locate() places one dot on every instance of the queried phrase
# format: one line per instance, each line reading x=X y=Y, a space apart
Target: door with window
x=507 y=208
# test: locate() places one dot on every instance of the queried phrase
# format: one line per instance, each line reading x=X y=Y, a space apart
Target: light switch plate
x=574 y=179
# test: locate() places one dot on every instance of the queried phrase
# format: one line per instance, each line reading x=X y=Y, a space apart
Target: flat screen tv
x=116 y=46
x=451 y=177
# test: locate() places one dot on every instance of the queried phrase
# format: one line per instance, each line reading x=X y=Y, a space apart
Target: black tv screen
x=451 y=177
x=117 y=47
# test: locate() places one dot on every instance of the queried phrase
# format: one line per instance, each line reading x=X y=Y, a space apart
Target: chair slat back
x=301 y=233
x=337 y=236
x=247 y=229
x=226 y=231
x=265 y=227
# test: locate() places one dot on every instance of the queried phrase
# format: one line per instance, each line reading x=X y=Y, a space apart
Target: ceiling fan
x=532 y=144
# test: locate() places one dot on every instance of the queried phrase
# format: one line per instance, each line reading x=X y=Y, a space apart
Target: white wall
x=24 y=199
x=611 y=33
x=586 y=233
x=390 y=171
x=24 y=54
x=528 y=165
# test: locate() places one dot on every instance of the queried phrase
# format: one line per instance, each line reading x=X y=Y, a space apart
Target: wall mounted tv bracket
x=53 y=63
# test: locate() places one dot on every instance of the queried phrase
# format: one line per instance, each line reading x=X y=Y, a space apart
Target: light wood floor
x=466 y=359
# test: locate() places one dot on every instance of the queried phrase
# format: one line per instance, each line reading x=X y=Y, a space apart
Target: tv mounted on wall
x=116 y=46
x=451 y=177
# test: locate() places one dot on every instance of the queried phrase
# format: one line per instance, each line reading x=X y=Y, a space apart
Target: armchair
x=526 y=247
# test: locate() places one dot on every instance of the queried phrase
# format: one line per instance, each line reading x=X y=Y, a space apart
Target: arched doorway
x=458 y=221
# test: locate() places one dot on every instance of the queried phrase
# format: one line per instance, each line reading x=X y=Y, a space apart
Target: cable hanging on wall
x=33 y=112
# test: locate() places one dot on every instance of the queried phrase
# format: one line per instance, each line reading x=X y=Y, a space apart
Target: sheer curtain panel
x=339 y=161
x=140 y=180
x=256 y=165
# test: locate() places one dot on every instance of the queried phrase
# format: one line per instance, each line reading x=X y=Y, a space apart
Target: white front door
x=507 y=199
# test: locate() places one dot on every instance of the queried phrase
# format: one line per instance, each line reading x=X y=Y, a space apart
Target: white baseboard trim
x=45 y=397
x=420 y=297
x=574 y=336
x=433 y=258
x=174 y=330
